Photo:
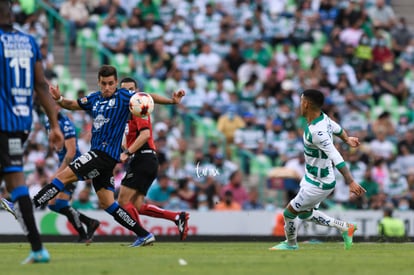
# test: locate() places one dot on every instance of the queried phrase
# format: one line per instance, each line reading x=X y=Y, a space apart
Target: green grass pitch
x=212 y=258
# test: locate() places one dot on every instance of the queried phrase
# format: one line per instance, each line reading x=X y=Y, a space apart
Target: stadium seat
x=319 y=39
x=74 y=86
x=306 y=53
x=121 y=62
x=87 y=38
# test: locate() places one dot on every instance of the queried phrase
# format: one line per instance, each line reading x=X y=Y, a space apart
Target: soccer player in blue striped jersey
x=21 y=73
x=60 y=204
x=109 y=108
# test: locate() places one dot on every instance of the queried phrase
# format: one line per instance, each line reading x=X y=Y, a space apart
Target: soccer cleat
x=41 y=256
x=8 y=206
x=284 y=246
x=182 y=224
x=144 y=241
x=91 y=228
x=348 y=235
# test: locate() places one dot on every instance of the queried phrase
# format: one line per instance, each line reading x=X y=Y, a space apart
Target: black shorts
x=11 y=151
x=95 y=165
x=141 y=171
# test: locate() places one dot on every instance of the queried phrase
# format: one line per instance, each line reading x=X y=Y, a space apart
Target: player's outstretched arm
x=63 y=102
x=41 y=88
x=175 y=99
x=351 y=141
x=354 y=187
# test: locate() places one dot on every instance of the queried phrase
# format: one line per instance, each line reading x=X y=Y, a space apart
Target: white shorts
x=309 y=197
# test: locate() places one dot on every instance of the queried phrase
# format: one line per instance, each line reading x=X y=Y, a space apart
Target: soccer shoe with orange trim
x=41 y=256
x=284 y=246
x=348 y=235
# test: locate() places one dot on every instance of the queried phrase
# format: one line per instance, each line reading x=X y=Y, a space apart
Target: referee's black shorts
x=141 y=171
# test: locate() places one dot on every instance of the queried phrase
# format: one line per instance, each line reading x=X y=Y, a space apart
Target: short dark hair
x=129 y=80
x=107 y=70
x=316 y=97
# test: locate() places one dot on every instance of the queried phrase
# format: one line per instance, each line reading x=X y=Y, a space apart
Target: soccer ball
x=141 y=104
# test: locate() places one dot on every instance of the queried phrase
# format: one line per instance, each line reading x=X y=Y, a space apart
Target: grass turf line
x=212 y=258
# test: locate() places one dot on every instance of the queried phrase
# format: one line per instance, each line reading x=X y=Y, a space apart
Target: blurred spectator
x=227 y=203
x=390 y=227
x=249 y=138
x=207 y=24
x=224 y=167
x=349 y=13
x=140 y=61
x=48 y=61
x=185 y=60
x=339 y=66
x=160 y=191
x=112 y=37
x=259 y=52
x=253 y=202
x=391 y=81
x=235 y=185
x=109 y=8
x=352 y=34
x=400 y=36
x=384 y=124
x=228 y=123
x=233 y=60
x=151 y=31
x=83 y=201
x=382 y=15
x=194 y=100
x=247 y=33
x=34 y=27
x=160 y=62
x=207 y=61
x=381 y=53
x=381 y=147
x=328 y=12
x=186 y=192
x=149 y=8
x=217 y=101
x=396 y=187
x=373 y=198
x=77 y=14
x=175 y=202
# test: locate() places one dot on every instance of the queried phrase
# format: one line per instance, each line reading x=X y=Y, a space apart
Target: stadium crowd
x=243 y=64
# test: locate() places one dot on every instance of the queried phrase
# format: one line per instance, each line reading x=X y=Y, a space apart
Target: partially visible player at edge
x=109 y=108
x=21 y=73
x=319 y=180
x=142 y=169
x=61 y=204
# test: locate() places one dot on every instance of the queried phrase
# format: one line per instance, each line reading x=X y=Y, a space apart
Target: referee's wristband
x=60 y=99
x=128 y=152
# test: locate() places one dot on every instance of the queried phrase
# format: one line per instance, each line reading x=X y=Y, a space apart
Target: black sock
x=123 y=218
x=45 y=194
x=85 y=219
x=74 y=218
x=24 y=209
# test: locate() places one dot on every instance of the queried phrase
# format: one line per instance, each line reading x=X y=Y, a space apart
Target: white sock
x=321 y=218
x=291 y=230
